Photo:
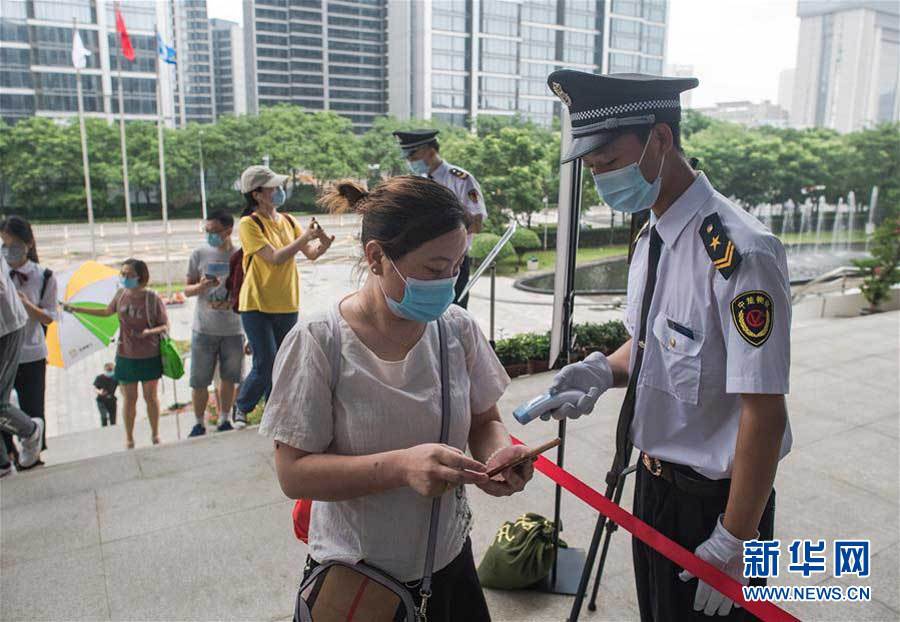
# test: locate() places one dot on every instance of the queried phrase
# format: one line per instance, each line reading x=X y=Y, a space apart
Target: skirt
x=138 y=370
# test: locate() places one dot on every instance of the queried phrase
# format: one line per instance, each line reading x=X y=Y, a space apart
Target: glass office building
x=458 y=59
x=194 y=75
x=319 y=54
x=36 y=72
x=228 y=67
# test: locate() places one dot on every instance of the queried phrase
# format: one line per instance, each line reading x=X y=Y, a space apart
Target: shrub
x=881 y=271
x=482 y=245
x=524 y=240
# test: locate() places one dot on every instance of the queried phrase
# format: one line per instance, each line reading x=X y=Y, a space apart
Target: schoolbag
x=236 y=267
x=303 y=507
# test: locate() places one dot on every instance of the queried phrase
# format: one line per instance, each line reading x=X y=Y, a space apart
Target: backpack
x=236 y=267
x=303 y=507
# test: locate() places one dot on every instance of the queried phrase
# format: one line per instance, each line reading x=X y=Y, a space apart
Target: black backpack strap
x=48 y=273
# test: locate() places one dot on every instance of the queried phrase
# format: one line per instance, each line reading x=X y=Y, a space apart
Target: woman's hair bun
x=344 y=196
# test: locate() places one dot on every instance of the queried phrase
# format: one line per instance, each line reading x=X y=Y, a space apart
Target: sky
x=738 y=48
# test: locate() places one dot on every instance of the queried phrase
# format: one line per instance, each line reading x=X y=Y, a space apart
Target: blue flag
x=166 y=53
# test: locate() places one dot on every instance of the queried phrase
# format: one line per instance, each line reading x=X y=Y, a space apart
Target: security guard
x=709 y=313
x=422 y=152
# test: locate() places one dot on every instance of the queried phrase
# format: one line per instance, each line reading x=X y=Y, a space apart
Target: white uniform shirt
x=34 y=348
x=380 y=406
x=13 y=315
x=464 y=186
x=697 y=359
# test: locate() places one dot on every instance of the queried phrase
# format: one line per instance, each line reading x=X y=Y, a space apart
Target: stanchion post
x=493 y=296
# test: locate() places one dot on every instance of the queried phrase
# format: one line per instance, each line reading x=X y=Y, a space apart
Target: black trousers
x=456 y=594
x=107 y=409
x=462 y=281
x=688 y=519
x=30 y=386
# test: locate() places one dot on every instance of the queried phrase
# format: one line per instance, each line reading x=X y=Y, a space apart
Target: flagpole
x=124 y=151
x=84 y=154
x=202 y=179
x=162 y=169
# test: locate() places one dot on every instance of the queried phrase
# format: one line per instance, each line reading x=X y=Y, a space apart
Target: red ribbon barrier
x=670 y=549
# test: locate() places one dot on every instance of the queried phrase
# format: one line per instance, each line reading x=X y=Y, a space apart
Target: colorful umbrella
x=76 y=335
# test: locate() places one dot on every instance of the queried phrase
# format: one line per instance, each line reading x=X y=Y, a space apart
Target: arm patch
x=752 y=313
x=719 y=247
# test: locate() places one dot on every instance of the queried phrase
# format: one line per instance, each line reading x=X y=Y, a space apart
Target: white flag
x=79 y=52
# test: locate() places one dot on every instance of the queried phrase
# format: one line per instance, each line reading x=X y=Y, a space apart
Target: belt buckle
x=653 y=465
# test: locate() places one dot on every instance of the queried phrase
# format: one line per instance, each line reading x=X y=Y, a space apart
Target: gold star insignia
x=714 y=242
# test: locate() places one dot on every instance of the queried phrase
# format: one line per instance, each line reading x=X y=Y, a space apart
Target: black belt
x=685 y=478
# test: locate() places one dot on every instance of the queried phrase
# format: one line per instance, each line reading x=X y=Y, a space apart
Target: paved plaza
x=200 y=530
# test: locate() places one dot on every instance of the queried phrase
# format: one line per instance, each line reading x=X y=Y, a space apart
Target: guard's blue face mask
x=626 y=190
x=279 y=197
x=129 y=282
x=418 y=167
x=214 y=239
x=423 y=301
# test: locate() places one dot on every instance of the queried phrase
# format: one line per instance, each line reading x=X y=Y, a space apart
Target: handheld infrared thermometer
x=545 y=403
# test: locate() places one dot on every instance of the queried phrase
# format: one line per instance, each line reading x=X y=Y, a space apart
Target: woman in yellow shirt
x=270 y=294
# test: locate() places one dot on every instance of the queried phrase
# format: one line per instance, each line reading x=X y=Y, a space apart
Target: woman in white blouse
x=367 y=452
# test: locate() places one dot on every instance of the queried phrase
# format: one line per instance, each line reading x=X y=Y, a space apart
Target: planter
x=516 y=369
x=537 y=366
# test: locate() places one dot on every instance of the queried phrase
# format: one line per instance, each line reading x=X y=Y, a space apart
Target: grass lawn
x=547 y=259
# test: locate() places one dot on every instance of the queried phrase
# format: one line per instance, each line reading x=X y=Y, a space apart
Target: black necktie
x=20 y=276
x=626 y=415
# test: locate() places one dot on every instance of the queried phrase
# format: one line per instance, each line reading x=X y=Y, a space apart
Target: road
x=58 y=245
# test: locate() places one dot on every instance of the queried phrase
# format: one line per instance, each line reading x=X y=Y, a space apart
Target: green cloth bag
x=520 y=555
x=172 y=365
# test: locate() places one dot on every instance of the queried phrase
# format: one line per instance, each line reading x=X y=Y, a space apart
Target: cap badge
x=563 y=96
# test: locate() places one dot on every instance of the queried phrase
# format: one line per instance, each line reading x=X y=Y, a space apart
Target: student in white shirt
x=12 y=420
x=36 y=287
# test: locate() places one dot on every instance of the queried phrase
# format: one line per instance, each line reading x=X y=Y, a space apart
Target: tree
x=517 y=167
x=379 y=145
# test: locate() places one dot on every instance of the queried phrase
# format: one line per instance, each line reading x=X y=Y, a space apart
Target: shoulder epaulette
x=719 y=247
x=459 y=173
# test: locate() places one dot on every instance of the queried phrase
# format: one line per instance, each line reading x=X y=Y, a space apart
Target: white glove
x=592 y=376
x=726 y=553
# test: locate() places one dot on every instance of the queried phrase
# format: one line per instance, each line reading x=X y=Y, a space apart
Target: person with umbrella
x=142 y=319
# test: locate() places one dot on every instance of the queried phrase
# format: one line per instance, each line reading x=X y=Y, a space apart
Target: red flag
x=127 y=50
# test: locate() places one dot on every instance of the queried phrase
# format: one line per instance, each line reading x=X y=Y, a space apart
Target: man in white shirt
x=709 y=311
x=12 y=337
x=422 y=152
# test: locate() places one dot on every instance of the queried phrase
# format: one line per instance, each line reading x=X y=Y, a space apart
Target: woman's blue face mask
x=423 y=301
x=128 y=282
x=279 y=197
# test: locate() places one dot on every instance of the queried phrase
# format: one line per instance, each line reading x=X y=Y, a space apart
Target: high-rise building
x=228 y=67
x=194 y=70
x=848 y=64
x=748 y=114
x=319 y=54
x=683 y=71
x=786 y=88
x=36 y=72
x=458 y=59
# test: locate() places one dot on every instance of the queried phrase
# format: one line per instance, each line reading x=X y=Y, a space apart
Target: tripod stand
x=614 y=493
